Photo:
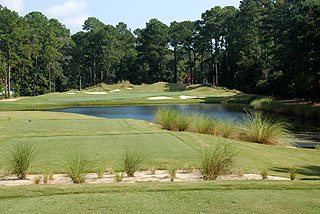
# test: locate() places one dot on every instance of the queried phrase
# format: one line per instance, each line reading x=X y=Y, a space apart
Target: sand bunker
x=160 y=98
x=71 y=93
x=96 y=93
x=188 y=97
x=10 y=100
x=142 y=176
x=117 y=90
x=129 y=88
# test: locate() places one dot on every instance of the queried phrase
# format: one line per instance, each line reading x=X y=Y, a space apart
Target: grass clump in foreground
x=131 y=161
x=20 y=159
x=260 y=129
x=264 y=174
x=217 y=161
x=77 y=167
x=292 y=172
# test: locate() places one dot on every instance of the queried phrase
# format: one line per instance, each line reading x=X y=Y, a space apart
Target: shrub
x=260 y=129
x=217 y=161
x=202 y=124
x=77 y=167
x=264 y=174
x=292 y=172
x=20 y=159
x=131 y=161
x=226 y=127
x=317 y=148
x=173 y=173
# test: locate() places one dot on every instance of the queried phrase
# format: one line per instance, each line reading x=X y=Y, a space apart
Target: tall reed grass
x=226 y=127
x=265 y=130
x=217 y=161
x=20 y=159
x=77 y=167
x=202 y=124
x=172 y=120
x=131 y=161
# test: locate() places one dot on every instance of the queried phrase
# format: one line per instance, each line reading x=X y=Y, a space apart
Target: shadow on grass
x=235 y=99
x=309 y=170
x=172 y=87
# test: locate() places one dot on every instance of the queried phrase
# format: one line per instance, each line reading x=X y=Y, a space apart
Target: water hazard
x=307 y=134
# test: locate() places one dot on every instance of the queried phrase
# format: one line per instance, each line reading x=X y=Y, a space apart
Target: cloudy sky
x=135 y=13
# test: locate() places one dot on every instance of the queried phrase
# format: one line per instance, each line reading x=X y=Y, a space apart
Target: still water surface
x=307 y=133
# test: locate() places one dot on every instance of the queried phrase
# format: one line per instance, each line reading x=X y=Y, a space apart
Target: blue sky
x=135 y=13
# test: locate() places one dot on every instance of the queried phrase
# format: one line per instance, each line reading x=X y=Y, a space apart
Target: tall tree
x=10 y=34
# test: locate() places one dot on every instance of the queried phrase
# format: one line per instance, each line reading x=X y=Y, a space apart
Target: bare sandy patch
x=141 y=176
x=189 y=97
x=116 y=90
x=10 y=100
x=96 y=93
x=72 y=93
x=160 y=98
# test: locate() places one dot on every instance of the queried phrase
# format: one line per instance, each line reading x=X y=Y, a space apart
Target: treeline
x=266 y=47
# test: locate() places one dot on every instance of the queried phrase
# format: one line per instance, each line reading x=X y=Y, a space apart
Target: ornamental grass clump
x=131 y=161
x=166 y=118
x=173 y=173
x=217 y=161
x=181 y=122
x=77 y=167
x=292 y=172
x=226 y=127
x=202 y=124
x=261 y=129
x=20 y=159
x=264 y=174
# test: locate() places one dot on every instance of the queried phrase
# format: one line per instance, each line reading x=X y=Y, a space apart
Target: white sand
x=10 y=100
x=142 y=176
x=71 y=93
x=160 y=98
x=95 y=92
x=129 y=88
x=189 y=97
x=116 y=90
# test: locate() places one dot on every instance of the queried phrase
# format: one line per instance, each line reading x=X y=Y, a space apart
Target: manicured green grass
x=137 y=96
x=104 y=141
x=203 y=197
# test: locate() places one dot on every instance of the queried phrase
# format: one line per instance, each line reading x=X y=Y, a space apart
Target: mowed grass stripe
x=172 y=201
x=159 y=149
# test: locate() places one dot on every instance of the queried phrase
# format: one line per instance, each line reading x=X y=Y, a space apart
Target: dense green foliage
x=265 y=46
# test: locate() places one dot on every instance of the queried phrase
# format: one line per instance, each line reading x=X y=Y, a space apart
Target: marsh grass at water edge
x=265 y=130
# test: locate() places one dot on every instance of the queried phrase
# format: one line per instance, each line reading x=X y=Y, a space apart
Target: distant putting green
x=56 y=135
x=137 y=96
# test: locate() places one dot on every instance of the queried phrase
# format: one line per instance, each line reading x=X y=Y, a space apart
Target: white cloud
x=72 y=13
x=16 y=5
x=67 y=9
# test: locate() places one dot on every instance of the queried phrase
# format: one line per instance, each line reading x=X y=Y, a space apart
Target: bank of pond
x=230 y=121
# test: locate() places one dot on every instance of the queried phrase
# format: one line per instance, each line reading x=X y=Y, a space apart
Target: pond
x=307 y=133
